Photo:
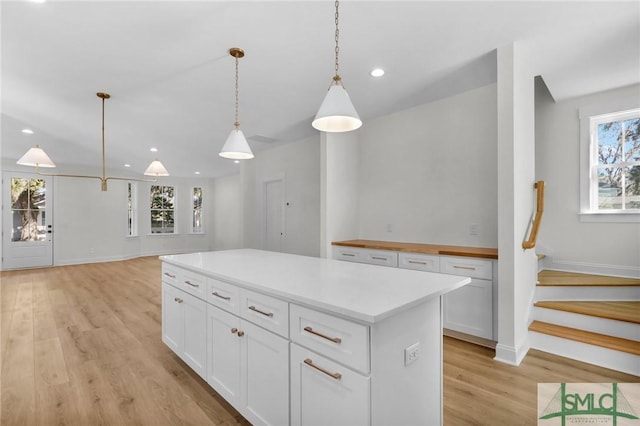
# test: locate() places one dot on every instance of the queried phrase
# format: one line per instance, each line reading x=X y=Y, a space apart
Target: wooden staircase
x=591 y=318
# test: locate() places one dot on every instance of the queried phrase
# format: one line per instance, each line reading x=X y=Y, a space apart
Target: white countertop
x=367 y=293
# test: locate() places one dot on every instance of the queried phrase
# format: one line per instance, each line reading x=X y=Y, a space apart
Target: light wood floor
x=80 y=345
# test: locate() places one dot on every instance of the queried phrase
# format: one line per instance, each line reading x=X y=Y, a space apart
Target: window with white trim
x=196 y=211
x=132 y=211
x=162 y=209
x=614 y=162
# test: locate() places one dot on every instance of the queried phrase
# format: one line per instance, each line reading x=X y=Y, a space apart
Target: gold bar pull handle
x=266 y=314
x=378 y=258
x=348 y=254
x=336 y=376
x=191 y=284
x=417 y=262
x=333 y=339
x=169 y=275
x=470 y=268
x=215 y=293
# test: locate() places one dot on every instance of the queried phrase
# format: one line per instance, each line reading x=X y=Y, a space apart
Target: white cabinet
x=184 y=327
x=249 y=367
x=466 y=310
x=325 y=393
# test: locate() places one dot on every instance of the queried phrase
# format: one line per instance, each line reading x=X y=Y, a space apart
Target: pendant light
x=236 y=147
x=36 y=157
x=337 y=113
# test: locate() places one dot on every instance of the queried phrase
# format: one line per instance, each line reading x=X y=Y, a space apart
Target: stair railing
x=533 y=236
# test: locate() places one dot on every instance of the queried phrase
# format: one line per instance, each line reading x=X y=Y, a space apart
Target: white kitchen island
x=298 y=340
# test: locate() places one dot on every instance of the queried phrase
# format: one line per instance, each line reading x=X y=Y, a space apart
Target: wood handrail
x=531 y=242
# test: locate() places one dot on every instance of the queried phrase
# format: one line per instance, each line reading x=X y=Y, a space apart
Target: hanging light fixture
x=236 y=147
x=36 y=157
x=337 y=113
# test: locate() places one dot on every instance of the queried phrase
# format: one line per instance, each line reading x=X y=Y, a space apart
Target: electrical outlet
x=411 y=353
x=473 y=229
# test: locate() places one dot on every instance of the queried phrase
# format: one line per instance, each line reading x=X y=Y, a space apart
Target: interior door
x=274 y=200
x=27 y=237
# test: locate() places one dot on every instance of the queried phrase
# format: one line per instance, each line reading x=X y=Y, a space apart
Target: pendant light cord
x=103 y=150
x=237 y=123
x=337 y=77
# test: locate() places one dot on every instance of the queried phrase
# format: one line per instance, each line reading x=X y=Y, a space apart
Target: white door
x=274 y=200
x=27 y=240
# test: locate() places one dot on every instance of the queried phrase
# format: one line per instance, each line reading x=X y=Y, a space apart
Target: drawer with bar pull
x=265 y=311
x=469 y=267
x=419 y=261
x=223 y=295
x=342 y=340
x=192 y=283
x=170 y=274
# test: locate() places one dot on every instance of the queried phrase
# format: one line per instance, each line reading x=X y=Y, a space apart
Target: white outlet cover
x=411 y=353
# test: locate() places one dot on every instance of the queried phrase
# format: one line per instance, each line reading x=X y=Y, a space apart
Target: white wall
x=227 y=212
x=576 y=245
x=430 y=172
x=340 y=169
x=298 y=164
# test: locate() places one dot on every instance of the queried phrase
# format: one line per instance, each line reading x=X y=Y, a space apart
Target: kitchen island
x=289 y=339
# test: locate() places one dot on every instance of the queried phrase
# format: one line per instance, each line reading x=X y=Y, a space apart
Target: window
x=132 y=211
x=28 y=208
x=614 y=162
x=196 y=211
x=162 y=209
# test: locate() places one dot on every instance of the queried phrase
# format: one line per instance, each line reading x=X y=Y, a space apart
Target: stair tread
x=620 y=311
x=602 y=340
x=561 y=278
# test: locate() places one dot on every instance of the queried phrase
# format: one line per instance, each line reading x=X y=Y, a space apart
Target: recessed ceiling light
x=197 y=173
x=38 y=1
x=154 y=150
x=377 y=72
x=236 y=161
x=27 y=131
x=127 y=165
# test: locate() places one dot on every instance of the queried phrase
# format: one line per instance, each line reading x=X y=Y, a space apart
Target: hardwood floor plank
x=105 y=333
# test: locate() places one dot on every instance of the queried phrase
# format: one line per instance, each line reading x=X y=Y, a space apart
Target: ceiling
x=167 y=67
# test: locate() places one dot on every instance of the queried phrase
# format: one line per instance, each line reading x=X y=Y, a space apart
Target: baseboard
x=592 y=268
x=81 y=261
x=469 y=338
x=511 y=355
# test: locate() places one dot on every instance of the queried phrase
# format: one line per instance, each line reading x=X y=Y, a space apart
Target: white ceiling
x=167 y=67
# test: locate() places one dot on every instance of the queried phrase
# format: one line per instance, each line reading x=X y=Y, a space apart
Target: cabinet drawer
x=192 y=283
x=265 y=311
x=467 y=266
x=324 y=392
x=342 y=340
x=223 y=295
x=380 y=257
x=350 y=254
x=170 y=274
x=419 y=262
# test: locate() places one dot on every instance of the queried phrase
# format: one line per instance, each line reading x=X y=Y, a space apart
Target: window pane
x=609 y=148
x=609 y=189
x=632 y=139
x=28 y=201
x=156 y=197
x=633 y=188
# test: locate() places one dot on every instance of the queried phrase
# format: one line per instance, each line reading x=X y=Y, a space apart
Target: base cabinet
x=469 y=309
x=249 y=367
x=326 y=393
x=184 y=327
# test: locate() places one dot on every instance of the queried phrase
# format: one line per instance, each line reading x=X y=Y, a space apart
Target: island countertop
x=366 y=293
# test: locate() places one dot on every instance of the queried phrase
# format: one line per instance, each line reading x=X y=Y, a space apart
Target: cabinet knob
x=177 y=299
x=234 y=330
x=240 y=333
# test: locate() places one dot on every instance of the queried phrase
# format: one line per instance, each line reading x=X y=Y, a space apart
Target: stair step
x=602 y=340
x=561 y=278
x=619 y=311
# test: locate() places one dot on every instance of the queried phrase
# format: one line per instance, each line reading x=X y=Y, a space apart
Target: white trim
x=609 y=217
x=593 y=268
x=510 y=355
x=81 y=261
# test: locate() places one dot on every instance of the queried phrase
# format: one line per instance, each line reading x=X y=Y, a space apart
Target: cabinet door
x=194 y=352
x=223 y=354
x=172 y=318
x=469 y=309
x=326 y=393
x=265 y=371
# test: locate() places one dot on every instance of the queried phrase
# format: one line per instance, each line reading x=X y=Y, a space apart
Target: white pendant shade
x=35 y=157
x=236 y=147
x=337 y=113
x=156 y=169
